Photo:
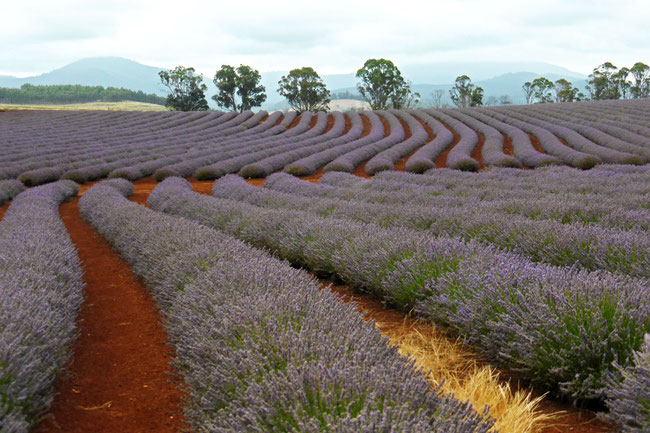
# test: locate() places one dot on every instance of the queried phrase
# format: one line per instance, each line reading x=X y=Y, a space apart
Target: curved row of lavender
x=397 y=202
x=385 y=160
x=310 y=164
x=521 y=143
x=260 y=345
x=376 y=143
x=612 y=137
x=492 y=151
x=429 y=208
x=41 y=147
x=41 y=289
x=459 y=157
x=424 y=158
x=9 y=189
x=576 y=323
x=264 y=135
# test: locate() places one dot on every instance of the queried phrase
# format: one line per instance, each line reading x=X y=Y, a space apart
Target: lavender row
x=278 y=161
x=260 y=346
x=377 y=142
x=424 y=158
x=576 y=140
x=64 y=160
x=547 y=241
x=547 y=141
x=634 y=131
x=521 y=143
x=609 y=138
x=427 y=212
x=354 y=139
x=386 y=159
x=459 y=156
x=9 y=189
x=492 y=150
x=576 y=323
x=311 y=136
x=41 y=289
x=195 y=159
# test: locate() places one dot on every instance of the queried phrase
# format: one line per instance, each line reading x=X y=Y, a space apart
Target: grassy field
x=123 y=105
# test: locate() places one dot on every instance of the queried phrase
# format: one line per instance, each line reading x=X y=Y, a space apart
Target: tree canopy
x=465 y=93
x=187 y=91
x=382 y=82
x=304 y=90
x=238 y=89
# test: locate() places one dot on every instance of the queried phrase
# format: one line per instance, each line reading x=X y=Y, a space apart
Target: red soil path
x=120 y=378
x=508 y=149
x=535 y=142
x=279 y=121
x=477 y=153
x=399 y=165
x=3 y=209
x=441 y=160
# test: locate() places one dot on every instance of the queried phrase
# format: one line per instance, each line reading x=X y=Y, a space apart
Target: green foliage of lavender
x=260 y=346
x=40 y=294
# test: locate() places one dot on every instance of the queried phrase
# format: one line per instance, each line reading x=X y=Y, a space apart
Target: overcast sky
x=333 y=36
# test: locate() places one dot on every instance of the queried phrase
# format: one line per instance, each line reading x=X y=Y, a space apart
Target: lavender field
x=522 y=230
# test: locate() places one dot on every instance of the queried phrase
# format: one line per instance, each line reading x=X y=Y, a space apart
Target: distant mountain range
x=496 y=78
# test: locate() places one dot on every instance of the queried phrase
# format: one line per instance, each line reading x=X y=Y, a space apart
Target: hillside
x=497 y=78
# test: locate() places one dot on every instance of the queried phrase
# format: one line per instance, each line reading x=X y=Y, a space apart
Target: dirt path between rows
x=120 y=378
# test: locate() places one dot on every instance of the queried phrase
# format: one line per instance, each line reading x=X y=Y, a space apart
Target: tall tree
x=529 y=92
x=620 y=80
x=641 y=74
x=566 y=92
x=465 y=93
x=602 y=83
x=244 y=82
x=187 y=91
x=404 y=97
x=304 y=90
x=382 y=82
x=542 y=90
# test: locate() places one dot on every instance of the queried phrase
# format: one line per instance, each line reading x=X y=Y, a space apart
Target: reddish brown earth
x=508 y=149
x=330 y=123
x=279 y=121
x=3 y=209
x=441 y=160
x=120 y=378
x=535 y=142
x=478 y=150
x=295 y=122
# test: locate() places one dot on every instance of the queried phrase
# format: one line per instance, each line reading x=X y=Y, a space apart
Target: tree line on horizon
x=73 y=94
x=382 y=86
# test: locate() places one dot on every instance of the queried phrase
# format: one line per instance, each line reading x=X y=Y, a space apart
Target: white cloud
x=333 y=36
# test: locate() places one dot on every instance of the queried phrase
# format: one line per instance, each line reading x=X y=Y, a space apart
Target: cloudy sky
x=333 y=36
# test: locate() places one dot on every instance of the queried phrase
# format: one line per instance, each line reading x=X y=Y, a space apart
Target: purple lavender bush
x=9 y=189
x=628 y=399
x=41 y=289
